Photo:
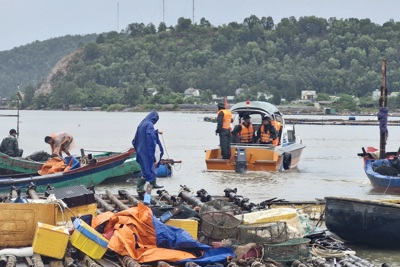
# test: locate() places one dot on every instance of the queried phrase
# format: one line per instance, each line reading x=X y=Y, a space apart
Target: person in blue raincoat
x=145 y=143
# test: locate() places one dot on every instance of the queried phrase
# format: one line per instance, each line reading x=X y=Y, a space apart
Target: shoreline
x=206 y=109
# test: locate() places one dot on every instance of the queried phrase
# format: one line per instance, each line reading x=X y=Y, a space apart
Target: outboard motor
x=240 y=159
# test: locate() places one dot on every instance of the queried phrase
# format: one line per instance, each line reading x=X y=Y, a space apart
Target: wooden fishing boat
x=284 y=155
x=130 y=167
x=11 y=165
x=381 y=167
x=370 y=222
x=382 y=173
x=93 y=173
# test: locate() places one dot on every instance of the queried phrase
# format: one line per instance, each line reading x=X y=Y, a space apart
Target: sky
x=25 y=21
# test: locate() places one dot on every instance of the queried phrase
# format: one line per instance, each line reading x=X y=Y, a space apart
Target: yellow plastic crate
x=50 y=240
x=191 y=226
x=88 y=240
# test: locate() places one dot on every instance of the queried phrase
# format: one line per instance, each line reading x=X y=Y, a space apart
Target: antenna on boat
x=383 y=113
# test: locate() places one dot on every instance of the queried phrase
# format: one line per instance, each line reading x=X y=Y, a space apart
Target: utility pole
x=193 y=13
x=163 y=12
x=117 y=16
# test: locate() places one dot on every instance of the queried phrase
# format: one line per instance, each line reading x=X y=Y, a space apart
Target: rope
x=388 y=185
x=165 y=147
x=166 y=152
x=327 y=253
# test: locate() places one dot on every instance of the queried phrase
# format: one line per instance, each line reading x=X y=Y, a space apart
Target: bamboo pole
x=383 y=105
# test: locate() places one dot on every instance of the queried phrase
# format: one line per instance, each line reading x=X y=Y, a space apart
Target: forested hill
x=30 y=64
x=331 y=56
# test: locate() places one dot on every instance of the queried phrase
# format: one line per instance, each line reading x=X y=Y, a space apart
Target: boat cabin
x=257 y=110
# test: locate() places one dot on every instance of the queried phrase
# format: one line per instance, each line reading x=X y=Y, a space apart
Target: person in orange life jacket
x=224 y=119
x=266 y=133
x=277 y=126
x=245 y=130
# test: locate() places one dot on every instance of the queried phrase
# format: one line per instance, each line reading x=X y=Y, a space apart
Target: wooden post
x=19 y=99
x=383 y=104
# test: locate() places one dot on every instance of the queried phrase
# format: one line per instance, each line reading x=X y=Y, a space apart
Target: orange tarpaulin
x=53 y=165
x=57 y=164
x=135 y=236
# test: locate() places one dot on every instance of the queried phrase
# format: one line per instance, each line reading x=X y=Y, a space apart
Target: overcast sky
x=25 y=21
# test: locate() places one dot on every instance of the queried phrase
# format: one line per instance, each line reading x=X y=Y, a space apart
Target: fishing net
x=220 y=219
x=290 y=250
x=263 y=233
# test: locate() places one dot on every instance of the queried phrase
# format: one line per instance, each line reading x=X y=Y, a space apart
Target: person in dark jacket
x=9 y=145
x=224 y=119
x=145 y=142
x=267 y=132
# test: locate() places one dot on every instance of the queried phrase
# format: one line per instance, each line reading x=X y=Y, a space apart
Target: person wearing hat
x=224 y=119
x=9 y=145
x=245 y=130
x=267 y=132
x=61 y=142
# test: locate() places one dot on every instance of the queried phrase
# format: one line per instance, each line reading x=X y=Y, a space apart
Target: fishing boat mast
x=383 y=113
x=19 y=99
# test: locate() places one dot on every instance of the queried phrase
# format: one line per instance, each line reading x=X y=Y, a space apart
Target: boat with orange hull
x=284 y=154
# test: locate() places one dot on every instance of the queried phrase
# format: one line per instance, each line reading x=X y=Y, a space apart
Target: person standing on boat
x=224 y=119
x=61 y=142
x=145 y=143
x=245 y=130
x=9 y=145
x=267 y=132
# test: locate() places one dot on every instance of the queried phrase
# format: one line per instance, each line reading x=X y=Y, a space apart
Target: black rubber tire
x=287 y=160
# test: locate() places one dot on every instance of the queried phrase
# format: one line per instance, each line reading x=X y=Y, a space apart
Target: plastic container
x=163 y=170
x=88 y=240
x=147 y=194
x=50 y=240
x=191 y=226
x=19 y=221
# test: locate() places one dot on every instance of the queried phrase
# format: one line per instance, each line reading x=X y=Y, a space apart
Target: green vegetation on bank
x=30 y=64
x=340 y=57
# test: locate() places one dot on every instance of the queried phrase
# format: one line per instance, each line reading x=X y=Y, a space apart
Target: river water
x=329 y=165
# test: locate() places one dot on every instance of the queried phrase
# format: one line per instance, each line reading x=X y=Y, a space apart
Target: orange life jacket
x=265 y=137
x=277 y=126
x=226 y=123
x=246 y=134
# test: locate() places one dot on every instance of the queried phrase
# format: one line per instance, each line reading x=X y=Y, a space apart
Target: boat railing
x=267 y=146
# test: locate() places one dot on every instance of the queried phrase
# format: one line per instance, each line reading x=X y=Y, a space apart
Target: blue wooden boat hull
x=379 y=180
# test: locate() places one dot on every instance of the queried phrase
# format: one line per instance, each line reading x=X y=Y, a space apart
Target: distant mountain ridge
x=259 y=57
x=30 y=64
